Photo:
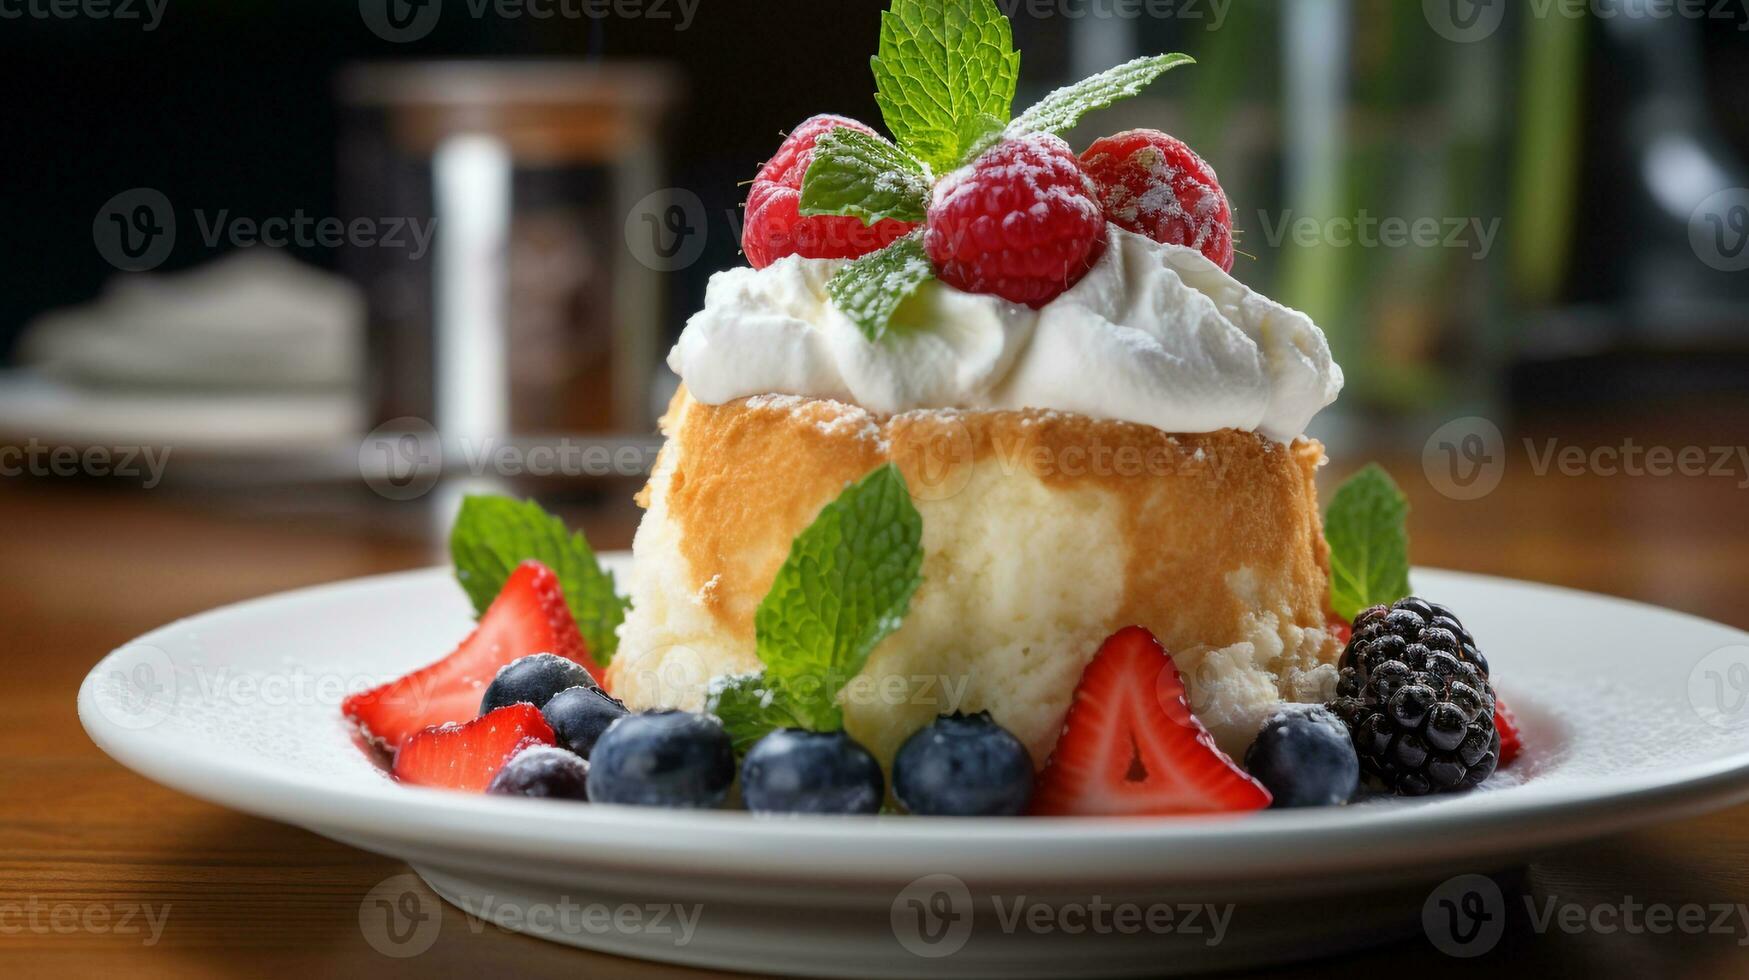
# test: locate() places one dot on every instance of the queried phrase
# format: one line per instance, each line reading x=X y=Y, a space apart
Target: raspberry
x=1022 y=222
x=1152 y=184
x=1415 y=696
x=774 y=224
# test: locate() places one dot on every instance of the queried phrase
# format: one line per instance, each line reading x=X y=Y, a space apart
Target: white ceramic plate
x=1632 y=715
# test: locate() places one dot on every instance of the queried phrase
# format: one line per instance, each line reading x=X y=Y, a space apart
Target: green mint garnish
x=1369 y=542
x=870 y=289
x=750 y=709
x=492 y=535
x=1058 y=112
x=942 y=62
x=853 y=173
x=845 y=586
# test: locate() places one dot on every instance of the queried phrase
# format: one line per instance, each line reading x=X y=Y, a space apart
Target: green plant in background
x=1426 y=130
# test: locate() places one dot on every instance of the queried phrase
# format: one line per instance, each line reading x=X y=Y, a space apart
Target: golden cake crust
x=752 y=474
x=1043 y=533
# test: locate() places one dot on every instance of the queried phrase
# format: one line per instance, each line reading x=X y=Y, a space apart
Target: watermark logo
x=932 y=916
x=400 y=918
x=666 y=231
x=940 y=465
x=135 y=230
x=1718 y=687
x=1465 y=916
x=1718 y=230
x=141 y=690
x=401 y=459
x=1464 y=21
x=400 y=21
x=1465 y=458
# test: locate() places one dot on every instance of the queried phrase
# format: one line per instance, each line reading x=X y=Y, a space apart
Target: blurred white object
x=252 y=353
x=252 y=319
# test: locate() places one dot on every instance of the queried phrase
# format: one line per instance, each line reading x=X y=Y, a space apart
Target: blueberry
x=534 y=679
x=662 y=758
x=1304 y=757
x=543 y=771
x=580 y=714
x=796 y=771
x=963 y=766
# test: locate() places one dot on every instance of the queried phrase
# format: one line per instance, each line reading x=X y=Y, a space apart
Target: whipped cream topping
x=1153 y=334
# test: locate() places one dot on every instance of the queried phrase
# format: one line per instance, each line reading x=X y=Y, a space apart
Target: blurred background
x=335 y=263
x=283 y=280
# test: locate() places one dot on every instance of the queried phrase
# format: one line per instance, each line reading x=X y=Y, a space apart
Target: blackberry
x=1415 y=696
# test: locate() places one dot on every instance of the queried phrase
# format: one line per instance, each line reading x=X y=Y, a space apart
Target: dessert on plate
x=985 y=492
x=1127 y=454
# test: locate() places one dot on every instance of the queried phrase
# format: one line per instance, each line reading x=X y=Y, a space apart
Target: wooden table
x=86 y=843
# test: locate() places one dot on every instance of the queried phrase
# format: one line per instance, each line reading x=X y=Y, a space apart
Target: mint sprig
x=870 y=289
x=1058 y=112
x=941 y=63
x=1366 y=528
x=750 y=708
x=493 y=535
x=845 y=586
x=853 y=173
x=945 y=79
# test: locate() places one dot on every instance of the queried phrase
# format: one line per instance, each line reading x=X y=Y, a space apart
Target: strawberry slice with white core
x=1131 y=747
x=466 y=757
x=529 y=616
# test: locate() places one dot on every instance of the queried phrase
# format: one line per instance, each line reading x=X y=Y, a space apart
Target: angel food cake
x=985 y=493
x=1129 y=453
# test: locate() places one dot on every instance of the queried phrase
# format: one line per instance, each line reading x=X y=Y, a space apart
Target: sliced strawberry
x=528 y=616
x=466 y=757
x=1131 y=747
x=1511 y=743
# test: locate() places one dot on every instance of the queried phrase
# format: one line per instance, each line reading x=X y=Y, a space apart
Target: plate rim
x=736 y=844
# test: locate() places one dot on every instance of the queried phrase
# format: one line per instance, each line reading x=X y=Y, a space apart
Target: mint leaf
x=846 y=584
x=1058 y=112
x=870 y=289
x=1369 y=542
x=749 y=709
x=942 y=62
x=492 y=535
x=854 y=173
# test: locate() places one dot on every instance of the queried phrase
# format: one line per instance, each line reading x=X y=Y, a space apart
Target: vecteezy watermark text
x=932 y=917
x=136 y=229
x=405 y=21
x=36 y=917
x=403 y=458
x=1211 y=14
x=401 y=918
x=1466 y=917
x=148 y=13
x=1465 y=459
x=1367 y=230
x=145 y=463
x=1467 y=21
x=1634 y=460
